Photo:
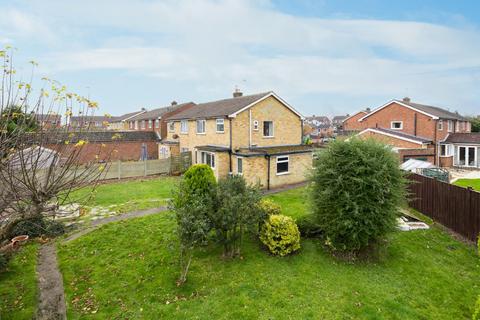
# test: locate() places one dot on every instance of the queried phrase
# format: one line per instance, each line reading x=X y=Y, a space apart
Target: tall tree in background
x=39 y=166
x=475 y=121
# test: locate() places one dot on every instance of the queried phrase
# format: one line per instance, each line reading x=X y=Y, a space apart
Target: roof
x=414 y=164
x=339 y=118
x=159 y=112
x=397 y=134
x=103 y=136
x=473 y=137
x=274 y=150
x=90 y=118
x=213 y=148
x=47 y=117
x=434 y=112
x=317 y=118
x=227 y=107
x=353 y=115
x=127 y=116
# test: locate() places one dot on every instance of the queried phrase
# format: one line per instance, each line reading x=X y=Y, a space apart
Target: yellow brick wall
x=191 y=139
x=299 y=167
x=287 y=126
x=254 y=170
x=222 y=163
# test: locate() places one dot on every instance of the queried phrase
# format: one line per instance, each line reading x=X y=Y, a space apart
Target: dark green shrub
x=309 y=227
x=237 y=212
x=357 y=190
x=36 y=227
x=193 y=203
x=280 y=234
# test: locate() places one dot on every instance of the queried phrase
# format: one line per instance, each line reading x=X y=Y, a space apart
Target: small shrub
x=269 y=208
x=280 y=234
x=36 y=227
x=357 y=190
x=308 y=227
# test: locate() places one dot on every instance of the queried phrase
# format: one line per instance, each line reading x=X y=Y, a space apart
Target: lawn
x=129 y=195
x=128 y=270
x=18 y=285
x=474 y=183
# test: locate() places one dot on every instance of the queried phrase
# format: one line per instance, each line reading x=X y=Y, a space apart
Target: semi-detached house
x=258 y=136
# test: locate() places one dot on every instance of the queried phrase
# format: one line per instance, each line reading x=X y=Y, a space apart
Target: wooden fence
x=454 y=207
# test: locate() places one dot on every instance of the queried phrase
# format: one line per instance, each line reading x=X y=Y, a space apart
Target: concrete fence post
x=145 y=168
x=119 y=165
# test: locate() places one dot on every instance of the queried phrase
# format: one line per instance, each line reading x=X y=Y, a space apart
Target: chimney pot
x=406 y=99
x=174 y=103
x=237 y=93
x=368 y=110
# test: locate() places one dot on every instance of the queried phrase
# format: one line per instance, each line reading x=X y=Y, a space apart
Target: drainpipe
x=230 y=149
x=436 y=154
x=301 y=132
x=268 y=171
x=415 y=124
x=249 y=128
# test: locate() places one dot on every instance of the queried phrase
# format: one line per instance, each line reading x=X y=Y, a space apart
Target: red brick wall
x=111 y=151
x=428 y=154
x=399 y=143
x=353 y=124
x=425 y=127
x=446 y=161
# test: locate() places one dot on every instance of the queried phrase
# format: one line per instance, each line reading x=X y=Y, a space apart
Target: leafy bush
x=237 y=211
x=268 y=208
x=476 y=312
x=193 y=203
x=308 y=227
x=357 y=189
x=280 y=234
x=37 y=226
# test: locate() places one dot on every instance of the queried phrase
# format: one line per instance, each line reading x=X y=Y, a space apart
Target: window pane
x=282 y=167
x=268 y=128
x=240 y=165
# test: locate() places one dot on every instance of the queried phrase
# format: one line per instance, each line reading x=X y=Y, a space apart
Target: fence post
x=145 y=168
x=119 y=165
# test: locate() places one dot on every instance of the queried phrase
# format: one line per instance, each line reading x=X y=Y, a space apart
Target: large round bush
x=357 y=190
x=199 y=178
x=280 y=234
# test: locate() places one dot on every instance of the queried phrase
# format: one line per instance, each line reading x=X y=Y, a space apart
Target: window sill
x=183 y=132
x=282 y=173
x=446 y=156
x=396 y=128
x=219 y=131
x=202 y=133
x=268 y=137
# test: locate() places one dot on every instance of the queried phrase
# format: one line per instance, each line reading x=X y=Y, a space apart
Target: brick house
x=352 y=124
x=403 y=124
x=321 y=126
x=258 y=136
x=154 y=120
x=460 y=150
x=121 y=122
x=337 y=122
x=49 y=120
x=91 y=122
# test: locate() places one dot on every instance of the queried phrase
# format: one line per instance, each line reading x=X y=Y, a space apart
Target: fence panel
x=455 y=207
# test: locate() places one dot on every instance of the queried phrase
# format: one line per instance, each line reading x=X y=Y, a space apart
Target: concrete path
x=99 y=222
x=51 y=304
x=289 y=187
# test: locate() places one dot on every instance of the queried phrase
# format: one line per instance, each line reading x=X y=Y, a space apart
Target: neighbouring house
x=337 y=122
x=120 y=123
x=109 y=145
x=351 y=123
x=414 y=130
x=49 y=120
x=315 y=121
x=258 y=136
x=91 y=122
x=460 y=150
x=154 y=120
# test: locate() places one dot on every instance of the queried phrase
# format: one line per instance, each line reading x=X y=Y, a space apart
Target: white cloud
x=213 y=45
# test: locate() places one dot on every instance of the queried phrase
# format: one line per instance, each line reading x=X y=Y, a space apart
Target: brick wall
x=399 y=143
x=353 y=124
x=421 y=154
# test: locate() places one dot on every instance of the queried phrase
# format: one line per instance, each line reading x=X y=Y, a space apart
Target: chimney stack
x=406 y=99
x=174 y=103
x=237 y=93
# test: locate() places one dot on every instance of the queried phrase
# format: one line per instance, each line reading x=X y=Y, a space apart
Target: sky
x=323 y=57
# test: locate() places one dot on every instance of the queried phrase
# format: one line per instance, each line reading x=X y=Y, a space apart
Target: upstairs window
x=396 y=125
x=157 y=123
x=184 y=126
x=282 y=165
x=171 y=126
x=201 y=126
x=450 y=125
x=220 y=125
x=150 y=124
x=268 y=128
x=143 y=124
x=440 y=125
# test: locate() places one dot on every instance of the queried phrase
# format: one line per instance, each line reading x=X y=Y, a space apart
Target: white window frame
x=393 y=128
x=255 y=125
x=204 y=126
x=136 y=124
x=212 y=164
x=282 y=159
x=220 y=122
x=171 y=126
x=150 y=123
x=440 y=125
x=157 y=123
x=240 y=160
x=273 y=129
x=448 y=150
x=450 y=125
x=184 y=126
x=142 y=124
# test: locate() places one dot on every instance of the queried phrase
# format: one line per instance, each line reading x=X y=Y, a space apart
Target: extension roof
x=466 y=138
x=397 y=134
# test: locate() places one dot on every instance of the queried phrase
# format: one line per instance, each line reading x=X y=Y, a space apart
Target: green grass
x=18 y=285
x=129 y=195
x=474 y=183
x=128 y=270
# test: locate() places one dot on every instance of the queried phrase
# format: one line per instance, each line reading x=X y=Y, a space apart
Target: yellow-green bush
x=269 y=207
x=280 y=234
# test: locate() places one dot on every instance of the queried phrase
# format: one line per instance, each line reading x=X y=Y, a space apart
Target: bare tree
x=42 y=161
